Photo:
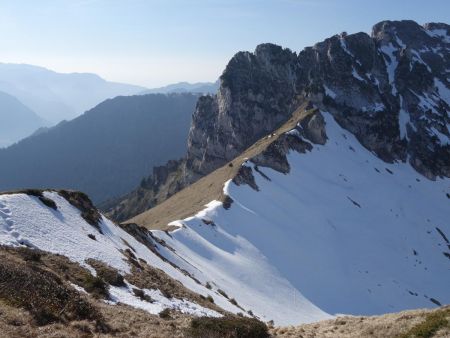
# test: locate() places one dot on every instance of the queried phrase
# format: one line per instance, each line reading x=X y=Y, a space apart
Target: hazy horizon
x=155 y=43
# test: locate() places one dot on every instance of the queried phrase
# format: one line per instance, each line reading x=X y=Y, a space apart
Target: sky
x=156 y=42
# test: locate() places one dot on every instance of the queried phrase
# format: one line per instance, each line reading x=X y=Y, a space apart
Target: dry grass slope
x=37 y=299
x=406 y=324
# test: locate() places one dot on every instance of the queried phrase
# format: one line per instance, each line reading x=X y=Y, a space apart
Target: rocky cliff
x=391 y=89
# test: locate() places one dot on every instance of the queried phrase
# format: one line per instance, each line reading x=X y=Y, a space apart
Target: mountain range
x=104 y=152
x=58 y=96
x=186 y=87
x=313 y=184
x=18 y=121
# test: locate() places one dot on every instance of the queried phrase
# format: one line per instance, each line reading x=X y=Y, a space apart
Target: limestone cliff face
x=257 y=93
x=391 y=89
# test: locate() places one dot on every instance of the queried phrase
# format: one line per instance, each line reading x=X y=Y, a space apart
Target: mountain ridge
x=18 y=121
x=183 y=87
x=260 y=90
x=57 y=96
x=105 y=151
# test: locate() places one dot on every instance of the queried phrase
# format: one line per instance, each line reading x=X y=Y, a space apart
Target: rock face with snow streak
x=390 y=89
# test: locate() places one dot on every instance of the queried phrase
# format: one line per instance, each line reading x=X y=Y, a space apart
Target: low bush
x=30 y=255
x=226 y=327
x=165 y=314
x=95 y=286
x=42 y=293
x=142 y=295
x=107 y=273
x=222 y=293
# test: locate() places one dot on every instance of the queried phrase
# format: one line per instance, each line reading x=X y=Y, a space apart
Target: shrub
x=141 y=294
x=107 y=273
x=222 y=293
x=233 y=301
x=230 y=327
x=166 y=293
x=165 y=314
x=111 y=276
x=43 y=294
x=48 y=202
x=210 y=299
x=33 y=255
x=95 y=286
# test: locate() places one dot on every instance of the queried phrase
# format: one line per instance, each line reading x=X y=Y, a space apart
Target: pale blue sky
x=156 y=42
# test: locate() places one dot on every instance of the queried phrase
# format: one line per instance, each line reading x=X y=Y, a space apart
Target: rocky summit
x=390 y=89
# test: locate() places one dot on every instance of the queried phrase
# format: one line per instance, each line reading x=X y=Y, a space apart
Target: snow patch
x=403 y=121
x=329 y=92
x=391 y=64
x=356 y=75
x=444 y=140
x=439 y=33
x=125 y=295
x=444 y=91
x=374 y=108
x=345 y=48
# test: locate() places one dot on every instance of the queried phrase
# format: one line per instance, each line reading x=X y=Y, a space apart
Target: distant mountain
x=104 y=152
x=16 y=120
x=184 y=87
x=57 y=96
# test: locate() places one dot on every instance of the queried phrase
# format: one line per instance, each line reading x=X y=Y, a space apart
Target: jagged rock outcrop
x=390 y=89
x=256 y=95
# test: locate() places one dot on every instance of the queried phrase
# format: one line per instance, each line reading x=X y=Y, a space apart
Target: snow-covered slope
x=25 y=220
x=343 y=231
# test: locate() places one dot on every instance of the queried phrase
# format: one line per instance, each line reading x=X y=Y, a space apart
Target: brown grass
x=107 y=273
x=406 y=324
x=29 y=285
x=192 y=199
x=122 y=320
x=435 y=322
x=149 y=277
x=36 y=300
